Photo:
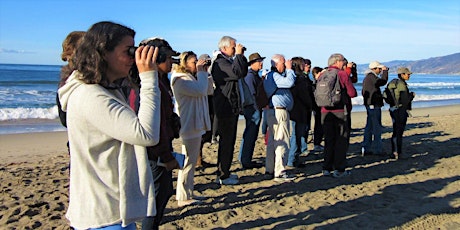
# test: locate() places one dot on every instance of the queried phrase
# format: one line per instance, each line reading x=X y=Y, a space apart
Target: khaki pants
x=278 y=141
x=185 y=184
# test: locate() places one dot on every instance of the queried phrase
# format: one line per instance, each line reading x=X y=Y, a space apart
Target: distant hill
x=449 y=64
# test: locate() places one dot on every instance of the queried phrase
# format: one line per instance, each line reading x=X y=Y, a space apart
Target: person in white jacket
x=189 y=82
x=110 y=180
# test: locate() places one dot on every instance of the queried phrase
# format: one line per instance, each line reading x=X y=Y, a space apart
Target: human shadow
x=364 y=170
x=380 y=211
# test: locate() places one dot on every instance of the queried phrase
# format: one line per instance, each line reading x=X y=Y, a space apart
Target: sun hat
x=405 y=70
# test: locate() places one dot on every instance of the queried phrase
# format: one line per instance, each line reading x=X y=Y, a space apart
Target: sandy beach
x=420 y=192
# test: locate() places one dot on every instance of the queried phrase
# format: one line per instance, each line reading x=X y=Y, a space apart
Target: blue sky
x=31 y=31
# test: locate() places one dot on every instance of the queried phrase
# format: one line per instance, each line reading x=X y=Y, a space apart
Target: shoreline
x=24 y=126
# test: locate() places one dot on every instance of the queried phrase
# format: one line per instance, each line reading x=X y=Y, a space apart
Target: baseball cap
x=204 y=57
x=375 y=64
x=161 y=44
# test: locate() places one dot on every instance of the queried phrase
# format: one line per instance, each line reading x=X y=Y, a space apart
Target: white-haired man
x=228 y=66
x=277 y=85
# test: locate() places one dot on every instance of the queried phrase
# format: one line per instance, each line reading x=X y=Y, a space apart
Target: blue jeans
x=252 y=117
x=299 y=137
x=373 y=131
x=264 y=122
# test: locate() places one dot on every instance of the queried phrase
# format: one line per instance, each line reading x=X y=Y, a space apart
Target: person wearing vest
x=278 y=83
x=403 y=98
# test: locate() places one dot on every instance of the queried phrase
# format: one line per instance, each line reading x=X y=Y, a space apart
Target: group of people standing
x=121 y=105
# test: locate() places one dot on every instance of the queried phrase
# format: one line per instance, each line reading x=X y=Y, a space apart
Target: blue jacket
x=279 y=86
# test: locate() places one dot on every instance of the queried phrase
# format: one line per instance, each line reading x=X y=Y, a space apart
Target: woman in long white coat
x=189 y=82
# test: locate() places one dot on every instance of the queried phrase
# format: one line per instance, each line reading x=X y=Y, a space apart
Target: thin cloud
x=13 y=51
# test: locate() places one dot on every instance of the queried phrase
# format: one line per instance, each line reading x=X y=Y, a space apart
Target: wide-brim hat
x=405 y=70
x=255 y=57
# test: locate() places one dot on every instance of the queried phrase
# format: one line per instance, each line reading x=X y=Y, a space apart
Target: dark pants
x=251 y=132
x=399 y=118
x=336 y=135
x=163 y=191
x=318 y=130
x=226 y=129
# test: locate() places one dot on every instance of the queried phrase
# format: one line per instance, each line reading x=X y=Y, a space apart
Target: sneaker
x=326 y=173
x=284 y=177
x=338 y=174
x=318 y=148
x=228 y=181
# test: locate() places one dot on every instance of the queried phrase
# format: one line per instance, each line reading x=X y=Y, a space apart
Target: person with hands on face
x=373 y=101
x=189 y=82
x=278 y=85
x=228 y=66
x=335 y=122
x=110 y=169
x=160 y=156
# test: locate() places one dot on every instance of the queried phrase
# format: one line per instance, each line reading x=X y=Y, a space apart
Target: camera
x=208 y=62
x=244 y=48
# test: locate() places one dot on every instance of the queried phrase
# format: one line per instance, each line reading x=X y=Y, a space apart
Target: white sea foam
x=360 y=101
x=435 y=85
x=28 y=113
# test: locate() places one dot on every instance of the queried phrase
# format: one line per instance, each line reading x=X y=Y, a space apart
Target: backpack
x=328 y=92
x=262 y=99
x=389 y=94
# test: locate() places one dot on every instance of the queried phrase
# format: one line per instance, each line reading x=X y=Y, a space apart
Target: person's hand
x=288 y=64
x=170 y=165
x=146 y=57
x=239 y=49
x=350 y=64
x=384 y=68
x=201 y=65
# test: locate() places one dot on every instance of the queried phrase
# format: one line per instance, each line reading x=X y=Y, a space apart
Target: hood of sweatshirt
x=72 y=83
x=368 y=71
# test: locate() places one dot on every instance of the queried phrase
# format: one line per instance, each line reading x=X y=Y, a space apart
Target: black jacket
x=371 y=88
x=225 y=73
x=302 y=92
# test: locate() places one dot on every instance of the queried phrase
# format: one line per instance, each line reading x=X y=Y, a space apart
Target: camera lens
x=244 y=48
x=132 y=51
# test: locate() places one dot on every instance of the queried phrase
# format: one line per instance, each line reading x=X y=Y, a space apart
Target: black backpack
x=262 y=99
x=328 y=92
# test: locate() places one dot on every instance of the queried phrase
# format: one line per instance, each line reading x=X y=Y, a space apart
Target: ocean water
x=28 y=96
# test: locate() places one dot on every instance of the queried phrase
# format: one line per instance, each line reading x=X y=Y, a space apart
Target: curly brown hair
x=100 y=39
